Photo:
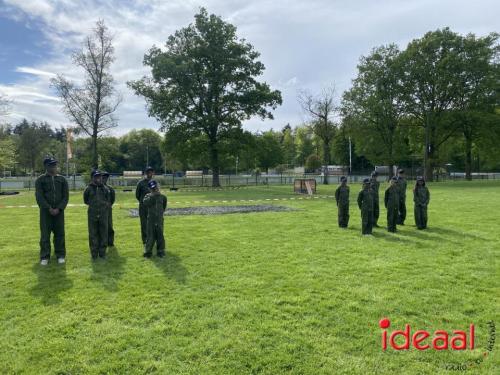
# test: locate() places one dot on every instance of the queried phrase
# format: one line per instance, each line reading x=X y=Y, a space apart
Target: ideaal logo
x=423 y=340
x=439 y=340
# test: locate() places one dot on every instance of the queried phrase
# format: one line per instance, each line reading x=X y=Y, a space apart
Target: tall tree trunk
x=214 y=164
x=429 y=150
x=429 y=163
x=326 y=161
x=468 y=156
x=95 y=159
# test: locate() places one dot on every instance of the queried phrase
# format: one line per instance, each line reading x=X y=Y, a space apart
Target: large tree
x=321 y=109
x=478 y=92
x=92 y=105
x=430 y=87
x=204 y=82
x=372 y=108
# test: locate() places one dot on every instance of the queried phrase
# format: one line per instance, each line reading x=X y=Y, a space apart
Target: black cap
x=401 y=171
x=152 y=184
x=95 y=172
x=49 y=160
x=105 y=174
x=343 y=178
x=366 y=181
x=394 y=178
x=420 y=178
x=149 y=168
x=374 y=173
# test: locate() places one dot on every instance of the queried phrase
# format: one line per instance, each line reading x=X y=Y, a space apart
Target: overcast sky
x=303 y=44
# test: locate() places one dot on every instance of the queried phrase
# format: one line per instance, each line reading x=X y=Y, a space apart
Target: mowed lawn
x=270 y=293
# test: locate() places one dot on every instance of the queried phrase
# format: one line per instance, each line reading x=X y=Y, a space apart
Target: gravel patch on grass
x=218 y=210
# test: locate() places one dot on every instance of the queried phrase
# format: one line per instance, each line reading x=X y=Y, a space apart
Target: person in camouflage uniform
x=52 y=195
x=402 y=197
x=97 y=197
x=342 y=198
x=112 y=196
x=391 y=202
x=140 y=192
x=421 y=198
x=365 y=203
x=155 y=204
x=375 y=185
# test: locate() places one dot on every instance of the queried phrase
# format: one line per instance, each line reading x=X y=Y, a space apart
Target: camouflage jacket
x=51 y=191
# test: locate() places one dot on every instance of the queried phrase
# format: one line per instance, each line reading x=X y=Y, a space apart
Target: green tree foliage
x=269 y=152
x=303 y=144
x=7 y=153
x=33 y=143
x=140 y=148
x=373 y=110
x=204 y=82
x=313 y=163
x=288 y=146
x=430 y=87
x=478 y=92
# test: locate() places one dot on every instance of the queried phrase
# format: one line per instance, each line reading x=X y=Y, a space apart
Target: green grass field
x=270 y=293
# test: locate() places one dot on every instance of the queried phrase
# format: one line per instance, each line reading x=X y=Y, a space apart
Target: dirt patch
x=218 y=210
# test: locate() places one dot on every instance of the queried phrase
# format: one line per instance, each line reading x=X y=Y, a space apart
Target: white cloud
x=303 y=44
x=36 y=72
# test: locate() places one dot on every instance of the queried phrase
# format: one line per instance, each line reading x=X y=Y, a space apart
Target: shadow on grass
x=454 y=233
x=109 y=271
x=52 y=281
x=439 y=234
x=172 y=267
x=388 y=236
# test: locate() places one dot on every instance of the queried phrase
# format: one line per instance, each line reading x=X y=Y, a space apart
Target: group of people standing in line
x=394 y=202
x=52 y=196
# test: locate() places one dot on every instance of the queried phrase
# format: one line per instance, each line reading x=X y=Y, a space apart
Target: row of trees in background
x=23 y=147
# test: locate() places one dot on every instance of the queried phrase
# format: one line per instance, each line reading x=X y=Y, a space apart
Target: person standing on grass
x=391 y=202
x=375 y=185
x=112 y=195
x=140 y=192
x=402 y=197
x=52 y=195
x=97 y=198
x=155 y=204
x=342 y=198
x=421 y=198
x=365 y=203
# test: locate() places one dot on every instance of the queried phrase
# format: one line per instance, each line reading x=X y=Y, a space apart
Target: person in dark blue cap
x=52 y=195
x=140 y=192
x=392 y=203
x=156 y=204
x=112 y=197
x=365 y=203
x=342 y=199
x=97 y=198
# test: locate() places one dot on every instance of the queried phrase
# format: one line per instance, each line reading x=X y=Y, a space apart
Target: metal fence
x=205 y=181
